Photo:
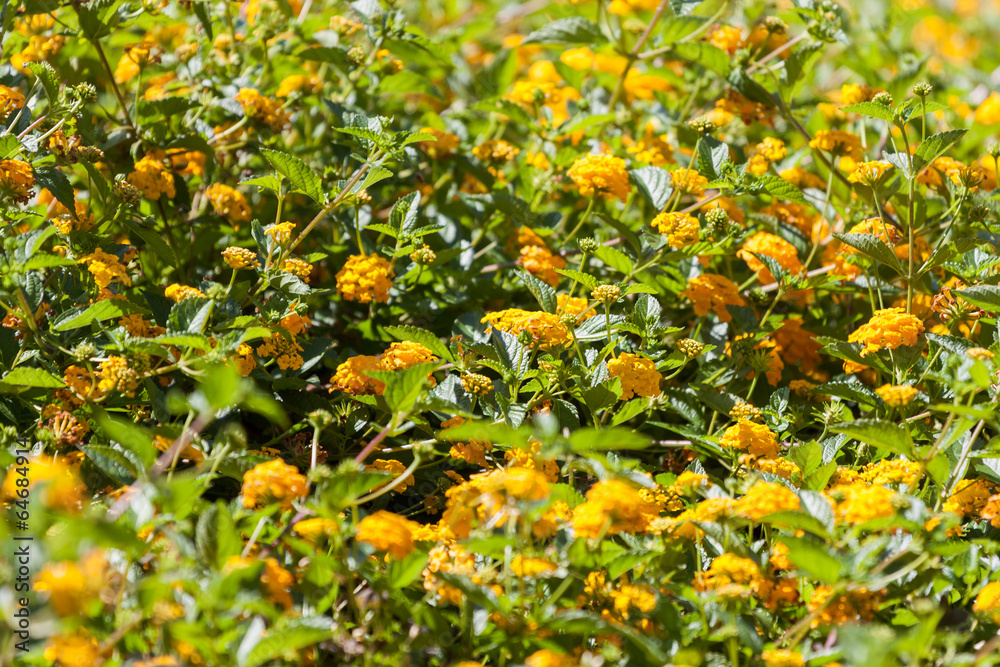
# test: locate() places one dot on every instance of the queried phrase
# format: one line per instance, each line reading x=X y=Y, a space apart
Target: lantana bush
x=500 y=334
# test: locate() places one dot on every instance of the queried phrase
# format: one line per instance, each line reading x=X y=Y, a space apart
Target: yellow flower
x=545 y=328
x=849 y=607
x=280 y=232
x=60 y=477
x=969 y=498
x=106 y=268
x=988 y=601
x=315 y=529
x=442 y=145
x=725 y=37
x=526 y=568
x=891 y=471
x=680 y=229
x=539 y=261
x=152 y=178
x=297 y=267
x=178 y=293
x=838 y=142
x=72 y=585
x=775 y=247
x=16 y=180
x=782 y=658
x=388 y=532
x=273 y=482
x=229 y=202
x=350 y=377
x=729 y=575
x=755 y=439
x=801 y=178
x=643 y=598
x=117 y=375
x=863 y=503
x=283 y=348
x=896 y=395
x=240 y=258
x=394 y=468
x=869 y=173
x=712 y=292
x=688 y=181
x=638 y=375
x=600 y=175
x=545 y=657
x=766 y=498
x=76 y=650
x=779 y=466
x=262 y=109
x=496 y=151
x=886 y=330
x=299 y=83
x=612 y=507
x=365 y=278
x=10 y=100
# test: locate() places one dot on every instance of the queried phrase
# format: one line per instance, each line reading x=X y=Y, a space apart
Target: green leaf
x=705 y=55
x=129 y=436
x=47 y=76
x=155 y=241
x=712 y=155
x=422 y=336
x=403 y=388
x=216 y=537
x=780 y=188
x=267 y=182
x=543 y=293
x=870 y=109
x=297 y=172
x=98 y=312
x=403 y=216
x=872 y=247
x=588 y=281
x=614 y=258
x=813 y=557
x=654 y=183
x=850 y=389
x=402 y=573
x=984 y=296
x=24 y=376
x=607 y=439
x=56 y=182
x=575 y=30
x=934 y=146
x=45 y=260
x=878 y=434
x=287 y=636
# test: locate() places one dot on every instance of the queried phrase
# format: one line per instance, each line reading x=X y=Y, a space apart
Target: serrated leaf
x=850 y=389
x=155 y=241
x=984 y=296
x=56 y=182
x=543 y=293
x=24 y=376
x=614 y=258
x=712 y=155
x=934 y=146
x=654 y=183
x=267 y=182
x=98 y=312
x=870 y=109
x=575 y=30
x=47 y=76
x=878 y=434
x=872 y=247
x=588 y=281
x=297 y=172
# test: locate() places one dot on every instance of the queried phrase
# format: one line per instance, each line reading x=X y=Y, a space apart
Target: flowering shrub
x=552 y=334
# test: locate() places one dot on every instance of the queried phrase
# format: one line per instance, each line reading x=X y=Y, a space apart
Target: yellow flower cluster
x=116 y=374
x=350 y=376
x=365 y=278
x=681 y=229
x=863 y=503
x=240 y=258
x=545 y=329
x=284 y=348
x=229 y=202
x=766 y=498
x=988 y=601
x=540 y=262
x=273 y=482
x=891 y=471
x=688 y=181
x=602 y=175
x=16 y=180
x=755 y=439
x=612 y=507
x=896 y=395
x=886 y=330
x=106 y=268
x=152 y=178
x=869 y=173
x=263 y=109
x=178 y=293
x=710 y=292
x=729 y=575
x=389 y=533
x=638 y=375
x=394 y=468
x=299 y=83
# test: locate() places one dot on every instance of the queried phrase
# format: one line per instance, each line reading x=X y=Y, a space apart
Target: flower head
x=681 y=229
x=638 y=375
x=600 y=175
x=886 y=330
x=710 y=292
x=273 y=482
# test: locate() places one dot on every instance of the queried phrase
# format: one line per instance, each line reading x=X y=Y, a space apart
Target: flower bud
x=476 y=384
x=588 y=245
x=922 y=89
x=689 y=347
x=883 y=98
x=606 y=293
